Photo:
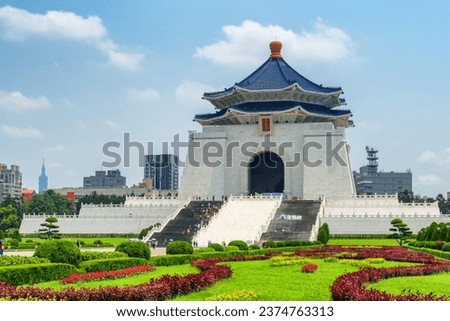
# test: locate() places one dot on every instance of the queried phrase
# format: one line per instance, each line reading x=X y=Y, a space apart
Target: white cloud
x=119 y=58
x=16 y=101
x=142 y=95
x=16 y=132
x=428 y=180
x=192 y=91
x=111 y=124
x=244 y=44
x=19 y=24
x=441 y=159
x=427 y=156
x=55 y=149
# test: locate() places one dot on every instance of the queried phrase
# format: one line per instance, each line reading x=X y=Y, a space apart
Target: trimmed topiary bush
x=254 y=247
x=231 y=248
x=59 y=251
x=112 y=264
x=134 y=249
x=217 y=247
x=240 y=244
x=35 y=273
x=179 y=247
x=88 y=255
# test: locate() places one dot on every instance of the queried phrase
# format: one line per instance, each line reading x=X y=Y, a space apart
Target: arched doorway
x=266 y=173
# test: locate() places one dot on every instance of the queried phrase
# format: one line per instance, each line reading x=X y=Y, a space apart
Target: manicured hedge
x=134 y=249
x=240 y=244
x=20 y=260
x=59 y=251
x=35 y=273
x=179 y=247
x=88 y=255
x=169 y=260
x=112 y=264
x=217 y=247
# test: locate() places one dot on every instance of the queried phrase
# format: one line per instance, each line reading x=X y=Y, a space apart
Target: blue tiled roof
x=277 y=106
x=274 y=74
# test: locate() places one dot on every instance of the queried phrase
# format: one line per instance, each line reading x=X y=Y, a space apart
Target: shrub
x=2 y=235
x=112 y=264
x=169 y=260
x=59 y=251
x=179 y=247
x=98 y=242
x=269 y=244
x=324 y=234
x=217 y=247
x=134 y=249
x=35 y=273
x=240 y=244
x=254 y=247
x=240 y=295
x=231 y=248
x=20 y=260
x=88 y=255
x=205 y=250
x=13 y=243
x=309 y=268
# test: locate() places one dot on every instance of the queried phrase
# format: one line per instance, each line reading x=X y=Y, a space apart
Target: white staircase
x=241 y=218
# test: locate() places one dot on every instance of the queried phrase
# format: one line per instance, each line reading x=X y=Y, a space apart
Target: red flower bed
x=75 y=277
x=164 y=288
x=309 y=268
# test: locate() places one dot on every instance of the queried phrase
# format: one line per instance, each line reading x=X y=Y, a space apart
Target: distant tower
x=372 y=158
x=43 y=179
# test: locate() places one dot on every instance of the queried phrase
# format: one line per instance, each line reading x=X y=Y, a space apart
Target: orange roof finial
x=275 y=49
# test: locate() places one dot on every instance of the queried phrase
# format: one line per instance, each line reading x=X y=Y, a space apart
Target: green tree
x=49 y=229
x=49 y=202
x=324 y=234
x=95 y=198
x=9 y=218
x=401 y=231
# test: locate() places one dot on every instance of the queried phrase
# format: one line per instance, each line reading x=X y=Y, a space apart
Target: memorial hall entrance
x=266 y=174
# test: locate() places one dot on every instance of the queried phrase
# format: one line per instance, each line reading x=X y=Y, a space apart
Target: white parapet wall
x=372 y=214
x=241 y=218
x=134 y=215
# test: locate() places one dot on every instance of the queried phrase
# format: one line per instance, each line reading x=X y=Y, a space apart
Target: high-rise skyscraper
x=43 y=179
x=163 y=169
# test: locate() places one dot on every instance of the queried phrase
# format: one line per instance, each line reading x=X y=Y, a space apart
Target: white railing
x=316 y=225
x=266 y=224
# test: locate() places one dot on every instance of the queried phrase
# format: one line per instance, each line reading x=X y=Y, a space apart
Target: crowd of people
x=202 y=218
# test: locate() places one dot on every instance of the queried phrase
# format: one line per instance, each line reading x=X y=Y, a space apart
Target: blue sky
x=78 y=74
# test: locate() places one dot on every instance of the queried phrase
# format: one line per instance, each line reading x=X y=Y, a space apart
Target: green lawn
x=285 y=283
x=439 y=284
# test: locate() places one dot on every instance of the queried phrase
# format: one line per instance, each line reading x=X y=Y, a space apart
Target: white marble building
x=292 y=127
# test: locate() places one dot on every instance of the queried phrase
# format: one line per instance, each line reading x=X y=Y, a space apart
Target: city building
x=103 y=179
x=10 y=181
x=370 y=181
x=163 y=170
x=43 y=179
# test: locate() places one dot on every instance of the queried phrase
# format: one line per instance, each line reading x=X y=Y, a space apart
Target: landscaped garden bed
x=258 y=278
